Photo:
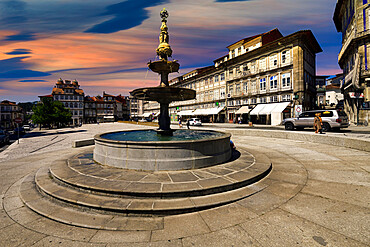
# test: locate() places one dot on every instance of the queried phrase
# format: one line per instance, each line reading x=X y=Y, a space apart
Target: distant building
x=9 y=111
x=352 y=19
x=268 y=73
x=72 y=97
x=135 y=108
x=121 y=110
x=320 y=82
x=90 y=110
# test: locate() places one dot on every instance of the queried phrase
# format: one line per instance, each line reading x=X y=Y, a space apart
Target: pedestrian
x=317 y=124
x=188 y=124
x=180 y=124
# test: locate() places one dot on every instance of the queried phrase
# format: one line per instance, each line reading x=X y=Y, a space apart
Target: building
x=90 y=110
x=136 y=108
x=121 y=110
x=320 y=90
x=269 y=73
x=352 y=19
x=9 y=111
x=72 y=97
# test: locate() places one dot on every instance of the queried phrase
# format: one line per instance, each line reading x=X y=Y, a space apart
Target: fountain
x=164 y=94
x=161 y=149
x=165 y=172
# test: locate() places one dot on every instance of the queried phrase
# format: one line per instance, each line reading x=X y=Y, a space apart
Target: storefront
x=269 y=114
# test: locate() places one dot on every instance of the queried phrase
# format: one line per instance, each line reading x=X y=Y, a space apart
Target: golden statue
x=164 y=49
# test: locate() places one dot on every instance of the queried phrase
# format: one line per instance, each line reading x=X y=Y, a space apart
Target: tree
x=51 y=113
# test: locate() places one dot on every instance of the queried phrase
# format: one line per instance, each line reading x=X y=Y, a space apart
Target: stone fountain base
x=162 y=155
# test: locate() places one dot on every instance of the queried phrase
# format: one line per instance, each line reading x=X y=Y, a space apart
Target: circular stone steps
x=79 y=188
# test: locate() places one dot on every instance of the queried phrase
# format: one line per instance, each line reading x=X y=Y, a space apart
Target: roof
x=46 y=96
x=7 y=102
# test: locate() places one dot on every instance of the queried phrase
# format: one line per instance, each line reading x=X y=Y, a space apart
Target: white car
x=195 y=121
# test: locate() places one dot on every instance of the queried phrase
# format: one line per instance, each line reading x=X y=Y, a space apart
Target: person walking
x=188 y=124
x=180 y=124
x=317 y=124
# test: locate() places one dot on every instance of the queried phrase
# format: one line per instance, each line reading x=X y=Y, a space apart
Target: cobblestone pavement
x=318 y=196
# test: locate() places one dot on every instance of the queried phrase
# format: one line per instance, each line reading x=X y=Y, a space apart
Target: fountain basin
x=166 y=154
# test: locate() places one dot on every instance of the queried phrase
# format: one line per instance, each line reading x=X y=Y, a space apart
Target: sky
x=106 y=45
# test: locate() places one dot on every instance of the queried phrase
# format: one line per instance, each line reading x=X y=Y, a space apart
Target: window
x=253 y=101
x=286 y=97
x=211 y=80
x=273 y=60
x=263 y=84
x=216 y=94
x=245 y=67
x=222 y=76
x=237 y=89
x=285 y=56
x=262 y=64
x=286 y=80
x=245 y=87
x=231 y=89
x=232 y=53
x=222 y=93
x=231 y=72
x=253 y=67
x=239 y=51
x=273 y=82
x=274 y=98
x=216 y=78
x=263 y=100
x=237 y=102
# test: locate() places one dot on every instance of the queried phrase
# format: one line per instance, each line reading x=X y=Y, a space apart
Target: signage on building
x=354 y=95
x=297 y=110
x=18 y=120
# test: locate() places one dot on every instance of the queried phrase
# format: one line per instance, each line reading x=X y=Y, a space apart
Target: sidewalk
x=316 y=195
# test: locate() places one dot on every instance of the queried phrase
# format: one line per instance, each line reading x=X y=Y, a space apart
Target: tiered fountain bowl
x=163 y=148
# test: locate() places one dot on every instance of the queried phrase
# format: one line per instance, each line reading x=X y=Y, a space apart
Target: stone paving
x=316 y=195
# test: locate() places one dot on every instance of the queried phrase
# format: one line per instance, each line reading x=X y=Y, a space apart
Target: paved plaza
x=316 y=195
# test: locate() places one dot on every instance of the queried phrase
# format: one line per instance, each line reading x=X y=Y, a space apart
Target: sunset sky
x=106 y=45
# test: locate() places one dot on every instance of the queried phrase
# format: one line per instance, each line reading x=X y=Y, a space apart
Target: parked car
x=26 y=127
x=195 y=121
x=4 y=137
x=20 y=129
x=331 y=119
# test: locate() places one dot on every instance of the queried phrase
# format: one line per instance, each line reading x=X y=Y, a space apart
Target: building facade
x=352 y=19
x=265 y=69
x=9 y=111
x=90 y=110
x=72 y=97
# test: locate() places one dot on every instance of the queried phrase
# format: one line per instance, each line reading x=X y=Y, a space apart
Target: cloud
x=127 y=14
x=15 y=68
x=32 y=81
x=19 y=52
x=22 y=73
x=226 y=1
x=23 y=36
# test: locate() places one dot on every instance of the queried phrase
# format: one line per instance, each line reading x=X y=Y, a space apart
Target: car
x=26 y=127
x=4 y=137
x=20 y=129
x=331 y=119
x=195 y=121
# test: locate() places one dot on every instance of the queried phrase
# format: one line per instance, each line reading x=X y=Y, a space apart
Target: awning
x=243 y=110
x=147 y=114
x=281 y=107
x=257 y=109
x=109 y=117
x=186 y=113
x=208 y=111
x=157 y=114
x=266 y=109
